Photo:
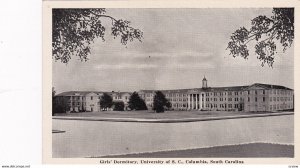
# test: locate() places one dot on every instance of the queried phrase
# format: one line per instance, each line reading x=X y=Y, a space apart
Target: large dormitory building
x=255 y=97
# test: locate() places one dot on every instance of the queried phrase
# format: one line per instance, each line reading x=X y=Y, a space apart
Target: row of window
x=236 y=93
x=232 y=99
x=280 y=106
x=230 y=106
x=223 y=105
x=281 y=99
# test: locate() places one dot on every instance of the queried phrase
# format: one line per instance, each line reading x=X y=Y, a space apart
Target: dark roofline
x=83 y=93
x=267 y=86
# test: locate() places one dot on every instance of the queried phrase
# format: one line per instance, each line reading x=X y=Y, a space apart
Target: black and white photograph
x=172 y=83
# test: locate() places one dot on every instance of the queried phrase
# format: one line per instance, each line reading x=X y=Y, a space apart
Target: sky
x=179 y=48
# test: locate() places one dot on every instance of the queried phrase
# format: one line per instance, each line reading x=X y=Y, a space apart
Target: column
x=189 y=103
x=192 y=101
x=204 y=101
x=199 y=107
x=200 y=101
x=71 y=106
x=196 y=101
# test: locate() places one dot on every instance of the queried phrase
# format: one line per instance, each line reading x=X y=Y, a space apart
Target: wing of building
x=256 y=97
x=89 y=101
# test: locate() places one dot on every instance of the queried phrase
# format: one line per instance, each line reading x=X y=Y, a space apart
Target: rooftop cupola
x=204 y=83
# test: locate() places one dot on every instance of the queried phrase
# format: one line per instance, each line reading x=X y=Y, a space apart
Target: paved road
x=100 y=138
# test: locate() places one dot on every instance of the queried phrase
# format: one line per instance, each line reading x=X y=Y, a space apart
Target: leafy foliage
x=106 y=101
x=160 y=103
x=118 y=106
x=73 y=30
x=60 y=105
x=136 y=102
x=265 y=31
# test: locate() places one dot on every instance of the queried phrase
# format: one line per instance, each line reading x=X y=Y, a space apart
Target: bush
x=118 y=106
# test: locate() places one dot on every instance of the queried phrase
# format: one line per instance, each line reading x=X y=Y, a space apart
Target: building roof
x=268 y=86
x=230 y=88
x=212 y=89
x=208 y=89
x=84 y=93
x=77 y=93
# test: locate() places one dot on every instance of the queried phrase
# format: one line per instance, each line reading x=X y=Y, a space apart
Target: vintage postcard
x=163 y=82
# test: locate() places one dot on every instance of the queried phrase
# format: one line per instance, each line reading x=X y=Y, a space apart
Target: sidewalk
x=169 y=120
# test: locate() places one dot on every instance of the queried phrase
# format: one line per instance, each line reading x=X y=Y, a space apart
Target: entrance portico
x=196 y=101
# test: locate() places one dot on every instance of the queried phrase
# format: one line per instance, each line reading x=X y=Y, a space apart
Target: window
x=255 y=92
x=91 y=97
x=248 y=92
x=264 y=92
x=264 y=99
x=255 y=99
x=248 y=99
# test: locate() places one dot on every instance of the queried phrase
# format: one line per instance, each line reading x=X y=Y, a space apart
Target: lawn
x=253 y=150
x=152 y=115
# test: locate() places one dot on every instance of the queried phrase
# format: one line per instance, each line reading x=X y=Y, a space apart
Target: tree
x=106 y=101
x=160 y=103
x=136 y=102
x=118 y=106
x=73 y=30
x=60 y=105
x=265 y=32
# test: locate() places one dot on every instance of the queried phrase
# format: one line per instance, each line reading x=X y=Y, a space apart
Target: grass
x=253 y=150
x=152 y=115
